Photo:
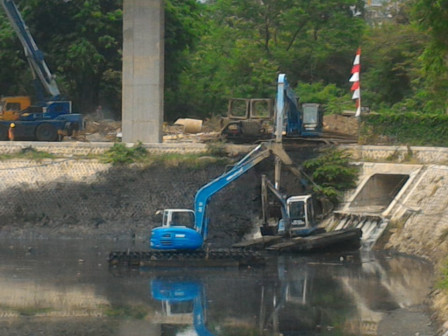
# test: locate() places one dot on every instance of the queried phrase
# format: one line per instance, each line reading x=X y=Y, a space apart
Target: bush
x=119 y=153
x=331 y=174
x=405 y=129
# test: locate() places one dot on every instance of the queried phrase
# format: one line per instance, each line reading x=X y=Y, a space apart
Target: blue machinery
x=190 y=236
x=184 y=229
x=305 y=121
x=51 y=115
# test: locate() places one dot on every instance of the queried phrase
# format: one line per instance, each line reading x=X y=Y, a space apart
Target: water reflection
x=55 y=284
x=183 y=302
x=299 y=296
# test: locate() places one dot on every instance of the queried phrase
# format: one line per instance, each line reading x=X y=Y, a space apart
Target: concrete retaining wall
x=76 y=149
x=405 y=154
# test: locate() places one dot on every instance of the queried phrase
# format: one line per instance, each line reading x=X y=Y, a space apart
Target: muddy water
x=52 y=287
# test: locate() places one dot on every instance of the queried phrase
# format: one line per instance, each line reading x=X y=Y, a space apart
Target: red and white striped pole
x=356 y=87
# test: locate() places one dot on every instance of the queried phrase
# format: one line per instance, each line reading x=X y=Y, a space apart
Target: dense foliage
x=218 y=49
x=411 y=128
x=82 y=44
x=331 y=174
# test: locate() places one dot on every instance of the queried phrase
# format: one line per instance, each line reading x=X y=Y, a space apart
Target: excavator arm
x=293 y=120
x=265 y=186
x=203 y=195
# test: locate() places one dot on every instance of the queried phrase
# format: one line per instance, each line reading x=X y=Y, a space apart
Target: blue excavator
x=294 y=121
x=184 y=229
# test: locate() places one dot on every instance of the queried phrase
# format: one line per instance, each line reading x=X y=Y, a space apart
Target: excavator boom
x=204 y=194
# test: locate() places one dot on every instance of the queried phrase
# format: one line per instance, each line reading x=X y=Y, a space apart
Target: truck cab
x=248 y=119
x=11 y=107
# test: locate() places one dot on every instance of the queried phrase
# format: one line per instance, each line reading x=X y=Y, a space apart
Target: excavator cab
x=178 y=231
x=300 y=220
x=312 y=119
x=178 y=217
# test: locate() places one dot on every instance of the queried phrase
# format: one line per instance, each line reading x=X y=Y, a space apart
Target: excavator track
x=201 y=258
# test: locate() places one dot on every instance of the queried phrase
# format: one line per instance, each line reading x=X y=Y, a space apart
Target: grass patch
x=217 y=148
x=33 y=311
x=127 y=312
x=29 y=153
x=443 y=282
x=120 y=154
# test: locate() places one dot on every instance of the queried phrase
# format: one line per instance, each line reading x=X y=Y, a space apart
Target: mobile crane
x=51 y=118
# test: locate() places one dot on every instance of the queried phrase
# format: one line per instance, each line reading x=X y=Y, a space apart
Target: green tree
x=431 y=16
x=331 y=174
x=82 y=43
x=390 y=64
x=13 y=63
x=184 y=24
x=249 y=42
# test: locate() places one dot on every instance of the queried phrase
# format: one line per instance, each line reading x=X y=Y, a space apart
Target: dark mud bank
x=121 y=202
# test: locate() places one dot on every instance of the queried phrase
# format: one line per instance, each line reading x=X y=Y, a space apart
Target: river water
x=54 y=287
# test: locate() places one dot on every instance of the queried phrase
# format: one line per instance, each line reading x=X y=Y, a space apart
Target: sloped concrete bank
x=417 y=209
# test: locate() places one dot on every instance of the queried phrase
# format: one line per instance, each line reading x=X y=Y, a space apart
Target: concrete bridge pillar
x=143 y=71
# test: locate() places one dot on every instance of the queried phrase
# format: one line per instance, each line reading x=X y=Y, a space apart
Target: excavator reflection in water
x=330 y=296
x=182 y=300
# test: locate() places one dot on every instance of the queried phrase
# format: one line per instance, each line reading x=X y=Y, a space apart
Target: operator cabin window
x=238 y=108
x=13 y=107
x=297 y=211
x=261 y=109
x=184 y=219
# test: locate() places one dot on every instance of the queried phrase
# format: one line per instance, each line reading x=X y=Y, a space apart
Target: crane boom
x=35 y=57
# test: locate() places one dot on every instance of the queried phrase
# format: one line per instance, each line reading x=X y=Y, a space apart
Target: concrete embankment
x=77 y=196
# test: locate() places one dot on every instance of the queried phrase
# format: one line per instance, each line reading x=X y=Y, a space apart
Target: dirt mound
x=336 y=123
